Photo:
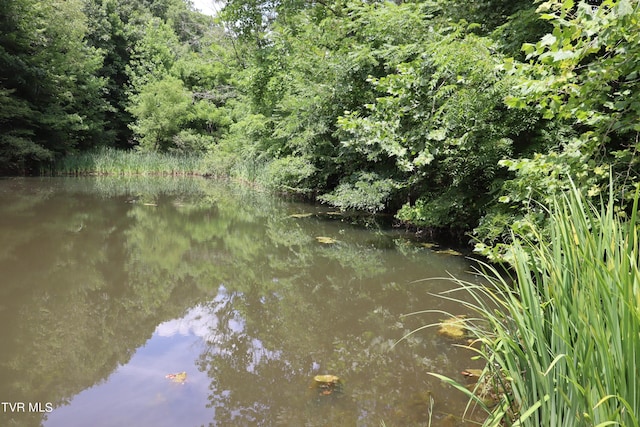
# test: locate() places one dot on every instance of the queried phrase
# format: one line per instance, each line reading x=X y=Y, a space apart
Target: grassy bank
x=109 y=161
x=565 y=347
x=113 y=162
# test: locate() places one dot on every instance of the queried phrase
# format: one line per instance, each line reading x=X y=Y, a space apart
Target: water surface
x=108 y=285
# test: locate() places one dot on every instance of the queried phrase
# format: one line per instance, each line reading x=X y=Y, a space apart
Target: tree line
x=459 y=116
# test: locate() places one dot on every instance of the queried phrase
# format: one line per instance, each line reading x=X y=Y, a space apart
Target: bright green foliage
x=177 y=91
x=584 y=74
x=140 y=40
x=154 y=55
x=440 y=119
x=387 y=102
x=72 y=73
x=160 y=109
x=366 y=191
x=584 y=70
x=429 y=110
x=564 y=344
x=290 y=173
x=315 y=66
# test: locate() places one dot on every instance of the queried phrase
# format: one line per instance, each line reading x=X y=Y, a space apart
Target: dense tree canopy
x=50 y=90
x=458 y=116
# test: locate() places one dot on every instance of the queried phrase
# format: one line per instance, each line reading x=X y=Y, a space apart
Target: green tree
x=48 y=81
x=441 y=121
x=179 y=83
x=111 y=33
x=312 y=66
x=160 y=109
x=154 y=54
x=582 y=76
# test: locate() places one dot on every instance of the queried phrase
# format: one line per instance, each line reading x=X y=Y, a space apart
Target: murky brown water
x=108 y=285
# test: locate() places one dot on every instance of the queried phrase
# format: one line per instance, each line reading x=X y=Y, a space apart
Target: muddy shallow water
x=109 y=285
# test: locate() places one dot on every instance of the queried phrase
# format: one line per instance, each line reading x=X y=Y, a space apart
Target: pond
x=191 y=302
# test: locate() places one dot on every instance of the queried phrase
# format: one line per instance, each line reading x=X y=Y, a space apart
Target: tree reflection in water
x=93 y=266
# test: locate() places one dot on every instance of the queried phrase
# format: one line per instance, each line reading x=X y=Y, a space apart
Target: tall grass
x=563 y=349
x=109 y=161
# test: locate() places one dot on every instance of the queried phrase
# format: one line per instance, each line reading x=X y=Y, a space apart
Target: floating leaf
x=301 y=215
x=326 y=379
x=327 y=384
x=326 y=240
x=180 y=377
x=453 y=327
x=472 y=373
x=448 y=252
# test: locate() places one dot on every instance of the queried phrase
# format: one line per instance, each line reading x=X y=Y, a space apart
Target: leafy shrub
x=365 y=191
x=190 y=142
x=160 y=109
x=291 y=174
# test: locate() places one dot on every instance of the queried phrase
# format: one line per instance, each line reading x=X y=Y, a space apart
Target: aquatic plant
x=109 y=161
x=561 y=338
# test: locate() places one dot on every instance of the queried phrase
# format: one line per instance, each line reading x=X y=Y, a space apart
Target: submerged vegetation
x=563 y=347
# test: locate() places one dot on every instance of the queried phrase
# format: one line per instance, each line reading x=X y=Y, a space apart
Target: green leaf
x=562 y=55
x=528 y=48
x=438 y=134
x=548 y=40
x=529 y=412
x=624 y=8
x=462 y=389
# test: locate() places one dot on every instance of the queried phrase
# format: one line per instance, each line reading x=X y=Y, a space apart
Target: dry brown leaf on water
x=326 y=240
x=448 y=252
x=472 y=373
x=300 y=215
x=326 y=379
x=453 y=327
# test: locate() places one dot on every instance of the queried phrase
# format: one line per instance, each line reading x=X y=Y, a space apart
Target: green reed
x=562 y=342
x=109 y=161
